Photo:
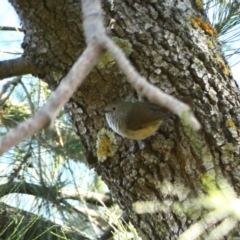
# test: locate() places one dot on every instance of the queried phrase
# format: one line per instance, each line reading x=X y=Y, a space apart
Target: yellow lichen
x=208 y=28
x=108 y=60
x=208 y=181
x=209 y=43
x=124 y=44
x=226 y=70
x=199 y=4
x=106 y=144
x=205 y=26
x=228 y=147
x=196 y=22
x=230 y=123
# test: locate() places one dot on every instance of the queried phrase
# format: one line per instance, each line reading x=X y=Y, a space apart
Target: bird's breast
x=143 y=132
x=137 y=134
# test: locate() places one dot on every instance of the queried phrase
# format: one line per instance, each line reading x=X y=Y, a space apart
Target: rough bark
x=182 y=60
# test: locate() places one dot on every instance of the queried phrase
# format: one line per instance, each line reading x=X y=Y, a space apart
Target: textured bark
x=178 y=58
x=16 y=67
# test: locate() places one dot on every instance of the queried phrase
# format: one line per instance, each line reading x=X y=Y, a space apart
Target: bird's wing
x=150 y=116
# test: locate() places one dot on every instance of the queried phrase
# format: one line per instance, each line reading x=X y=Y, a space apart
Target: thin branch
x=51 y=194
x=89 y=217
x=38 y=136
x=16 y=67
x=16 y=170
x=28 y=97
x=223 y=229
x=8 y=52
x=94 y=217
x=13 y=82
x=109 y=231
x=199 y=227
x=88 y=196
x=6 y=28
x=39 y=160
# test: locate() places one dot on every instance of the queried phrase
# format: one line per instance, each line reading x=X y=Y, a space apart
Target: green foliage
x=14 y=113
x=41 y=167
x=224 y=15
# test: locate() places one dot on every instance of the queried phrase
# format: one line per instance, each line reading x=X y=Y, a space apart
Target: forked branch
x=96 y=39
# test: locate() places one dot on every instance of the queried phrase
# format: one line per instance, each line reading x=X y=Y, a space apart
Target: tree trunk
x=173 y=46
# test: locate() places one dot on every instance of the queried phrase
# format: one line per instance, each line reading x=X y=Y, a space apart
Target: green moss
x=108 y=60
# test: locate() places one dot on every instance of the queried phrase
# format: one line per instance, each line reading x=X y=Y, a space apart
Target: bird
x=135 y=120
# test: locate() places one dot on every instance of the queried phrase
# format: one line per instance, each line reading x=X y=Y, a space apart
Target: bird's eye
x=114 y=108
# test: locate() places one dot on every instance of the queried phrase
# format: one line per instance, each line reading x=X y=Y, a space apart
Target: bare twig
x=88 y=196
x=109 y=232
x=6 y=28
x=199 y=227
x=10 y=52
x=3 y=101
x=28 y=97
x=84 y=206
x=13 y=82
x=38 y=136
x=16 y=170
x=223 y=229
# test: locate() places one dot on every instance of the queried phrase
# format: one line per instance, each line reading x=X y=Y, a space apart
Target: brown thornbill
x=137 y=120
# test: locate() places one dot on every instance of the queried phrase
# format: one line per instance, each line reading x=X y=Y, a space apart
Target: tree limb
x=16 y=67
